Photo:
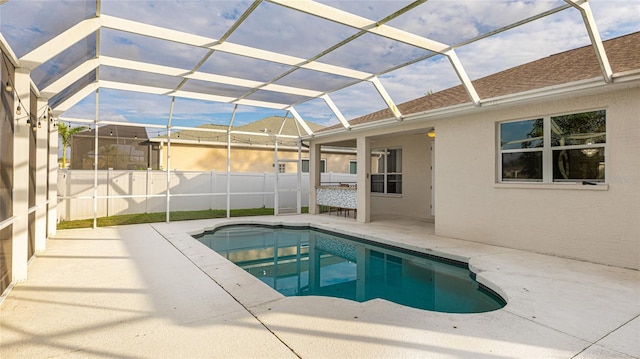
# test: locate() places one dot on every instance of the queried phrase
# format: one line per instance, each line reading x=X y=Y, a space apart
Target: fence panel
x=208 y=190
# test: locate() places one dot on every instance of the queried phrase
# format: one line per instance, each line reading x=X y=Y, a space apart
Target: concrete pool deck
x=151 y=290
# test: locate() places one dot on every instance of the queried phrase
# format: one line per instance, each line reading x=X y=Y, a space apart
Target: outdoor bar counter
x=342 y=198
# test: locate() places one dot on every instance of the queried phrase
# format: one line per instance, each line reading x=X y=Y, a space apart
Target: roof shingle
x=562 y=68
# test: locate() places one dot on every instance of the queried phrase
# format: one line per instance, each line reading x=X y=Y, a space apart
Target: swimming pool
x=300 y=261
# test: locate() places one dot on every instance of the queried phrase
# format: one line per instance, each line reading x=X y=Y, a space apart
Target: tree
x=65 y=134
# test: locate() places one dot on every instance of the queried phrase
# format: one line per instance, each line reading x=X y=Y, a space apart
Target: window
x=305 y=166
x=386 y=171
x=282 y=168
x=521 y=149
x=353 y=167
x=567 y=148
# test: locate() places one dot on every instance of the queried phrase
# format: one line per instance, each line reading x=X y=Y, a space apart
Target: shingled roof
x=562 y=68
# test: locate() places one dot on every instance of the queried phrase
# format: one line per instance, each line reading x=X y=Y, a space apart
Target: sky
x=275 y=28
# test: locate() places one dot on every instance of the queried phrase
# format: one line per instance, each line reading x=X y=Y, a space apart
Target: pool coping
x=557 y=303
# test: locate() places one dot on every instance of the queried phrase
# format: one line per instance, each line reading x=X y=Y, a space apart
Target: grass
x=161 y=217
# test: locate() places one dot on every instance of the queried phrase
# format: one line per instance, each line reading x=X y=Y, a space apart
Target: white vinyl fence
x=131 y=191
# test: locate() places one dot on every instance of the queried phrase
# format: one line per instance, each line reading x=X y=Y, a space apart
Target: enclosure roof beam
x=342 y=17
x=462 y=75
x=336 y=111
x=594 y=35
x=300 y=121
x=215 y=44
x=345 y=18
x=186 y=94
x=227 y=80
x=75 y=98
x=387 y=99
x=53 y=47
x=67 y=80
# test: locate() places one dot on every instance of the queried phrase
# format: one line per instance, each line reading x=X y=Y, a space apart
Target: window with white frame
x=305 y=166
x=353 y=167
x=282 y=168
x=386 y=171
x=565 y=148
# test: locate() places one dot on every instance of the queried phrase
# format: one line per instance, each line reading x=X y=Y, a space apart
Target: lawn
x=161 y=217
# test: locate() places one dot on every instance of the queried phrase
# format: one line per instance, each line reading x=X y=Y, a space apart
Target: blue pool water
x=306 y=261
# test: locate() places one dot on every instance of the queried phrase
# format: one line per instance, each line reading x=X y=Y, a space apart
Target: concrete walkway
x=152 y=291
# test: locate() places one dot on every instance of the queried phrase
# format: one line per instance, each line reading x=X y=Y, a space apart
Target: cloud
x=616 y=17
x=431 y=75
x=275 y=28
x=28 y=24
x=205 y=18
x=147 y=49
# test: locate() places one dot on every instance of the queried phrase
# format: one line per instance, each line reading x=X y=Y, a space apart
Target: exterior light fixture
x=431 y=134
x=18 y=110
x=111 y=133
x=28 y=123
x=8 y=87
x=39 y=124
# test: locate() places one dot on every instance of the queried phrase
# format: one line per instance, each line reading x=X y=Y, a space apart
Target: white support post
x=276 y=170
x=233 y=116
x=363 y=181
x=314 y=176
x=299 y=180
x=95 y=162
x=20 y=190
x=52 y=196
x=42 y=142
x=147 y=190
x=212 y=187
x=168 y=197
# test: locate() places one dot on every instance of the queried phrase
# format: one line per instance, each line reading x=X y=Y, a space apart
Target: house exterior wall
x=187 y=157
x=583 y=222
x=335 y=162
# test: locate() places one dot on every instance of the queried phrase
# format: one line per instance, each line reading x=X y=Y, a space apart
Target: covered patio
x=153 y=291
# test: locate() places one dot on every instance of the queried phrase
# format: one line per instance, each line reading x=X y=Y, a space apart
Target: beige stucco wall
x=336 y=162
x=581 y=222
x=188 y=157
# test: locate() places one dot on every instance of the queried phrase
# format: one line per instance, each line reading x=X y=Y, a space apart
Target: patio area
x=151 y=290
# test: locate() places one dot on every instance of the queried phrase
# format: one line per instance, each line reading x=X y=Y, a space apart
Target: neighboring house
x=119 y=147
x=548 y=162
x=252 y=148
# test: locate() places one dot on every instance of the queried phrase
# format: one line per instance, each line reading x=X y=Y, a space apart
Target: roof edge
x=577 y=87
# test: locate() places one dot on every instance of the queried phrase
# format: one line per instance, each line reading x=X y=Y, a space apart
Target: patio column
x=52 y=174
x=363 y=159
x=314 y=176
x=21 y=175
x=42 y=140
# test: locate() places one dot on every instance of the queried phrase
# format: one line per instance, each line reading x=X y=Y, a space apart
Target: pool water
x=305 y=261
